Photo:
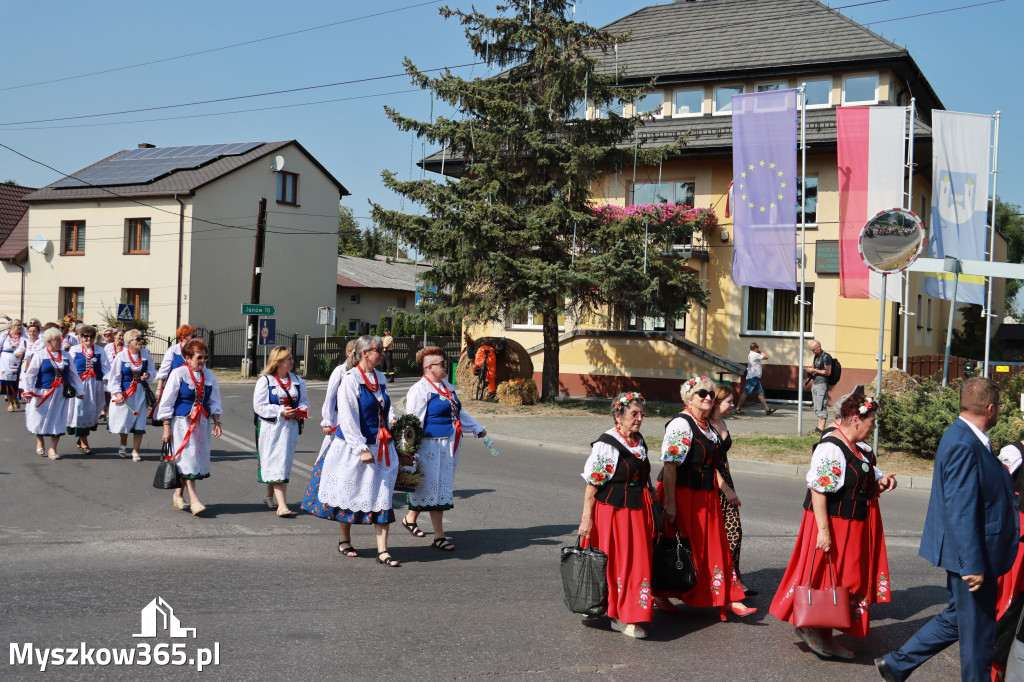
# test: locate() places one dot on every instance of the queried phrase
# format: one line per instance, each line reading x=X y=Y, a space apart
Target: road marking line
x=245 y=444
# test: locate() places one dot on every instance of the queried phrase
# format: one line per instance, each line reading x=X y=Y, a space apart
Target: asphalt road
x=86 y=543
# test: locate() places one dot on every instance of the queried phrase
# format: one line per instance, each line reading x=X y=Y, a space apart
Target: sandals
x=770 y=410
x=413 y=529
x=123 y=451
x=444 y=544
x=86 y=450
x=41 y=452
x=179 y=503
x=270 y=502
x=53 y=455
x=285 y=512
x=387 y=560
x=136 y=457
x=812 y=638
x=349 y=551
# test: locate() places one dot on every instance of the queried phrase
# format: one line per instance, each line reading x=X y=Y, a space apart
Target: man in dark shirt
x=819 y=373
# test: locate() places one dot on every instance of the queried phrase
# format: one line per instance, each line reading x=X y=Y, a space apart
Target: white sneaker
x=630 y=630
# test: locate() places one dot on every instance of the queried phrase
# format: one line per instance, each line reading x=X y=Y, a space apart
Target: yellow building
x=701 y=54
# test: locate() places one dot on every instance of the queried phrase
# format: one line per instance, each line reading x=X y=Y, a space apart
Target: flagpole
x=906 y=274
x=803 y=256
x=881 y=353
x=991 y=242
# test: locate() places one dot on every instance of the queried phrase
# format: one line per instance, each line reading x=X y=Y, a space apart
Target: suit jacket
x=972 y=526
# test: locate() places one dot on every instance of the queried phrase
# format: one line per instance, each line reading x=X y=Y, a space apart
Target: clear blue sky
x=971 y=57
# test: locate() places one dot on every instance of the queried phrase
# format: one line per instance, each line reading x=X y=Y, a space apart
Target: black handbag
x=585 y=579
x=673 y=568
x=66 y=388
x=166 y=477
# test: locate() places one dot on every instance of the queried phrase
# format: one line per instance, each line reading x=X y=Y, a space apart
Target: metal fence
x=227 y=346
x=324 y=354
x=930 y=366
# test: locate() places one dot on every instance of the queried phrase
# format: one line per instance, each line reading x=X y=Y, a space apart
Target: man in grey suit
x=972 y=531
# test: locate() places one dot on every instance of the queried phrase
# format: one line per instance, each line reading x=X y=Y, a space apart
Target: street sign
x=325 y=315
x=421 y=296
x=268 y=331
x=257 y=309
x=125 y=312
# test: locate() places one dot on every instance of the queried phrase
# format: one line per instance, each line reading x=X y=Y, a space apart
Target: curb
x=741 y=465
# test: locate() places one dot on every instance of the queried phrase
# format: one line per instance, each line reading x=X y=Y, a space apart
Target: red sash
x=197 y=408
x=57 y=381
x=383 y=435
x=456 y=417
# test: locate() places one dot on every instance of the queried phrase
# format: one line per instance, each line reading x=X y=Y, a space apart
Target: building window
x=861 y=89
x=401 y=303
x=527 y=319
x=353 y=298
x=665 y=192
x=137 y=235
x=578 y=110
x=650 y=323
x=723 y=98
x=138 y=298
x=651 y=105
x=811 y=207
x=287 y=188
x=688 y=102
x=920 y=309
x=353 y=326
x=72 y=302
x=770 y=87
x=609 y=109
x=928 y=316
x=73 y=238
x=819 y=93
x=776 y=311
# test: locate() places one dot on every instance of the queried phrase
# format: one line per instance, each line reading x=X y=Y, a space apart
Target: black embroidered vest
x=698 y=471
x=625 y=489
x=850 y=501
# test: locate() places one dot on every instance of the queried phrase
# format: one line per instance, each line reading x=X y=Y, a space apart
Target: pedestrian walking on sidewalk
x=971 y=531
x=617 y=514
x=753 y=387
x=818 y=373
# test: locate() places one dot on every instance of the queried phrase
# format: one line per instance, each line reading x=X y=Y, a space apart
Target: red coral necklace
x=624 y=437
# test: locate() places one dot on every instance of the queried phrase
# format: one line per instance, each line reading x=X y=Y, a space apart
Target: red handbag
x=828 y=608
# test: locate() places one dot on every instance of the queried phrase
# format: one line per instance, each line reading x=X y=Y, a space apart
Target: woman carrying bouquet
x=617 y=517
x=354 y=480
x=439 y=410
x=280 y=401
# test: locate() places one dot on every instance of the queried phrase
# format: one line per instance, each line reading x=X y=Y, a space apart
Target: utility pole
x=254 y=297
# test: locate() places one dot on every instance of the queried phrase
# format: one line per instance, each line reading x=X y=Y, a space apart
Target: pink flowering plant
x=681 y=221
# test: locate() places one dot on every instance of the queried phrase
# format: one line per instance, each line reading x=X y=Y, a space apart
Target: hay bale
x=514 y=363
x=895 y=382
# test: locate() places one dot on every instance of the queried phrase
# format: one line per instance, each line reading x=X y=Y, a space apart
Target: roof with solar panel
x=162 y=171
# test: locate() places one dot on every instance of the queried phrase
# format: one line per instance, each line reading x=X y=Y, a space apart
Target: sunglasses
x=704 y=393
x=88 y=336
x=200 y=357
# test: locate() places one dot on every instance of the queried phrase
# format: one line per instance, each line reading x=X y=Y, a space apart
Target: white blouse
x=604 y=459
x=678 y=438
x=828 y=467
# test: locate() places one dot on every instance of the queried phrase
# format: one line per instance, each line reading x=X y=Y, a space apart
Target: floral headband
x=696 y=380
x=622 y=402
x=868 y=405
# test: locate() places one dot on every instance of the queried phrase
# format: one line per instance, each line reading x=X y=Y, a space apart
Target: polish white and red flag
x=872 y=143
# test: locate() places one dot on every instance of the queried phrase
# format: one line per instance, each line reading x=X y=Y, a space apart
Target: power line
x=237 y=97
x=925 y=14
x=221 y=48
x=221 y=113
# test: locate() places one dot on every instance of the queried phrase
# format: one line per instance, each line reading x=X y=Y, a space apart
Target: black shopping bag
x=585 y=579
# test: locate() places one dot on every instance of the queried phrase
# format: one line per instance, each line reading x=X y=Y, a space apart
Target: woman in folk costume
x=354 y=480
x=33 y=344
x=840 y=528
x=130 y=369
x=617 y=517
x=190 y=402
x=434 y=402
x=46 y=408
x=329 y=410
x=12 y=351
x=173 y=358
x=90 y=364
x=691 y=452
x=279 y=401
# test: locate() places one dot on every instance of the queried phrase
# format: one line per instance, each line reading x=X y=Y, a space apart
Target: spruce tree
x=517 y=230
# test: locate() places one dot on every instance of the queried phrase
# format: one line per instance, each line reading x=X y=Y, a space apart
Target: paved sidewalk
x=573 y=435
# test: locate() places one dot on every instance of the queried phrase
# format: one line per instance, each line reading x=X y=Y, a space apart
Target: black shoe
x=887 y=673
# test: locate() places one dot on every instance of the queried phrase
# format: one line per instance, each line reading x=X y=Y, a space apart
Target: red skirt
x=1012 y=582
x=625 y=535
x=699 y=518
x=861 y=565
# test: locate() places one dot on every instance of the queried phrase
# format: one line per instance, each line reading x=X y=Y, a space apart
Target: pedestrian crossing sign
x=125 y=312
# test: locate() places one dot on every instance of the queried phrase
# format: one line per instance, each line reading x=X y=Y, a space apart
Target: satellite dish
x=39 y=244
x=278 y=165
x=891 y=241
